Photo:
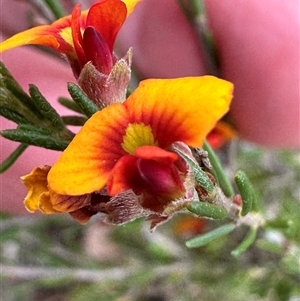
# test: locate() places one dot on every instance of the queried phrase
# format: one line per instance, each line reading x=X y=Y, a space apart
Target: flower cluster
x=87 y=39
x=128 y=159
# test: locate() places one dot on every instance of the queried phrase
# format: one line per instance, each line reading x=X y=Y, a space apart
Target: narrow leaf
x=85 y=104
x=8 y=82
x=74 y=120
x=4 y=71
x=45 y=108
x=204 y=239
x=70 y=104
x=35 y=138
x=8 y=162
x=207 y=210
x=246 y=243
x=34 y=128
x=246 y=190
x=218 y=171
x=12 y=115
x=15 y=109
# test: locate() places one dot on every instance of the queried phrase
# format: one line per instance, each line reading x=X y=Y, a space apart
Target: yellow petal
x=182 y=109
x=36 y=183
x=39 y=35
x=45 y=204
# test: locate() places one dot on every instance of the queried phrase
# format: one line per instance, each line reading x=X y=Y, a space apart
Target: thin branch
x=85 y=275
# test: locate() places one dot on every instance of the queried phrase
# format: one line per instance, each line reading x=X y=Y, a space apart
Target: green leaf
x=207 y=210
x=45 y=108
x=74 y=120
x=34 y=128
x=200 y=176
x=7 y=82
x=246 y=190
x=204 y=239
x=35 y=137
x=8 y=162
x=15 y=109
x=12 y=115
x=70 y=104
x=218 y=171
x=246 y=243
x=85 y=104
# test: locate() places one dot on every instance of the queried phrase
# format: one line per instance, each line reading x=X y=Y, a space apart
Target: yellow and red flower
x=123 y=161
x=85 y=37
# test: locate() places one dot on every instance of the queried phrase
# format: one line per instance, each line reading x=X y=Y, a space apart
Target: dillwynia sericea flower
x=87 y=39
x=125 y=162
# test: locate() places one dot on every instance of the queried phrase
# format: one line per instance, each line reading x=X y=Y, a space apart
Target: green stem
x=8 y=162
x=195 y=13
x=56 y=8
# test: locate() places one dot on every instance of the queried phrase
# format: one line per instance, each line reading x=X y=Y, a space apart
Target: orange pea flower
x=123 y=162
x=87 y=39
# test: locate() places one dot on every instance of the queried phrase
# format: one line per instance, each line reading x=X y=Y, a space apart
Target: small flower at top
x=124 y=161
x=87 y=39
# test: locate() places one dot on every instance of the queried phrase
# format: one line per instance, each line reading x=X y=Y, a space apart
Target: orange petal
x=183 y=109
x=57 y=36
x=86 y=163
x=39 y=35
x=107 y=17
x=45 y=204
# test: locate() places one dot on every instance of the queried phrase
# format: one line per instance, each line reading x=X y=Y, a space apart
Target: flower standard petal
x=86 y=163
x=183 y=109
